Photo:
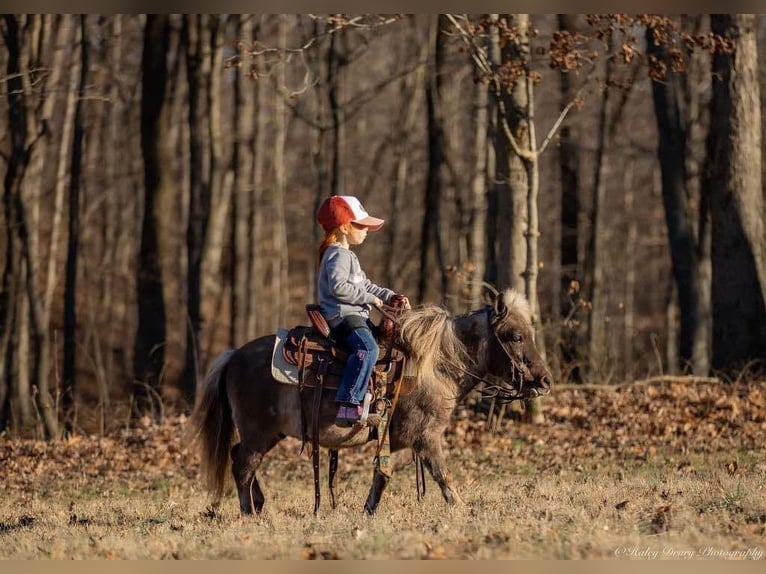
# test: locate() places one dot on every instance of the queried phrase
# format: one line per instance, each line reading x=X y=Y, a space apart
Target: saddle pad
x=281 y=370
x=287 y=373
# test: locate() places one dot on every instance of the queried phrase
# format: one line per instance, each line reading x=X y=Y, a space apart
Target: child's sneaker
x=348 y=415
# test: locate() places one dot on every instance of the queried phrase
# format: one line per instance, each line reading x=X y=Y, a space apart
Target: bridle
x=490 y=389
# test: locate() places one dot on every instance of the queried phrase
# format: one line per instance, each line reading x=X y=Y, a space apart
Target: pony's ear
x=499 y=305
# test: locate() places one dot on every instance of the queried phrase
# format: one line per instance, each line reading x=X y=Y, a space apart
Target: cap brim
x=372 y=223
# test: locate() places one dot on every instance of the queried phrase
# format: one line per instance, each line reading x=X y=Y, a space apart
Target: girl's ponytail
x=330 y=237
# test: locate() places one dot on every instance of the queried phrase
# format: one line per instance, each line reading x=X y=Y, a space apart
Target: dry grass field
x=649 y=472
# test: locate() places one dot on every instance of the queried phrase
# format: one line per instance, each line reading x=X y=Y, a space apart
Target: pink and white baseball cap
x=340 y=209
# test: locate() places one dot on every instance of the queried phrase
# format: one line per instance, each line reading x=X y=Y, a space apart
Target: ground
x=656 y=471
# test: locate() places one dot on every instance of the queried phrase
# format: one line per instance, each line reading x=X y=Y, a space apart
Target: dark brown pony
x=494 y=345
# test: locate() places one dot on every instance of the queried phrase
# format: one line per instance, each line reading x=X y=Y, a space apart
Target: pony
x=452 y=355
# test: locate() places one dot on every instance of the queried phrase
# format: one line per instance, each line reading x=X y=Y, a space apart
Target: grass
x=651 y=472
x=514 y=509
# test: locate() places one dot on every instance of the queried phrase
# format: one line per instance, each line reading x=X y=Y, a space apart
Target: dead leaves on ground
x=630 y=423
x=582 y=428
x=140 y=457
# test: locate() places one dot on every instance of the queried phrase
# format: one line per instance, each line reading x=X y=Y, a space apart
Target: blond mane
x=429 y=335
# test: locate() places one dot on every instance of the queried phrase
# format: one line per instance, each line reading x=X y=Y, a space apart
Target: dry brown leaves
x=630 y=422
x=583 y=426
x=135 y=457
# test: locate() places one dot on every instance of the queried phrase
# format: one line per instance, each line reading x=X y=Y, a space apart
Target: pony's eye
x=515 y=338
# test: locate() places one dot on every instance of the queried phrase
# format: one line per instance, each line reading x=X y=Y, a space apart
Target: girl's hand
x=377 y=303
x=400 y=301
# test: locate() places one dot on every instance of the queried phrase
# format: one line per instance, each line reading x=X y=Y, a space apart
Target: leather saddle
x=315 y=354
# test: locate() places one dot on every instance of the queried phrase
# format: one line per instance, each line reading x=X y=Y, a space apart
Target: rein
x=497 y=391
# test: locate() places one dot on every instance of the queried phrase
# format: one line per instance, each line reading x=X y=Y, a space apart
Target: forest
x=161 y=175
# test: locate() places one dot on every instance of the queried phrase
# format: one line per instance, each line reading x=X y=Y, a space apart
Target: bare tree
x=672 y=153
x=594 y=256
x=734 y=187
x=149 y=359
x=198 y=68
x=278 y=190
x=20 y=125
x=221 y=175
x=70 y=297
x=478 y=222
x=569 y=167
x=431 y=253
x=243 y=155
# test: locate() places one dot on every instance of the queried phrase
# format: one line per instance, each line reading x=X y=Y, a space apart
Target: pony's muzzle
x=542 y=383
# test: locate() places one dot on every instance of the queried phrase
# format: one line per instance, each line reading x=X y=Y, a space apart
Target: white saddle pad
x=281 y=370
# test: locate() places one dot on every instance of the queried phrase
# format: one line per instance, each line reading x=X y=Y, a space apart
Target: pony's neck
x=473 y=329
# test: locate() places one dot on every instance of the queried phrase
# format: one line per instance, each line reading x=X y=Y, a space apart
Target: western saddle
x=321 y=360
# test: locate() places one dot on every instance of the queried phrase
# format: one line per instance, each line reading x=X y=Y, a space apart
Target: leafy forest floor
x=644 y=471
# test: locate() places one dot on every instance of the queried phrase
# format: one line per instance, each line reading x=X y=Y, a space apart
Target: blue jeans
x=361 y=361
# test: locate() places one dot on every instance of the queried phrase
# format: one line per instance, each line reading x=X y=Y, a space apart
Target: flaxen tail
x=212 y=426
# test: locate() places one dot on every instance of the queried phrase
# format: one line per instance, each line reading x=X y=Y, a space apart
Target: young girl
x=345 y=297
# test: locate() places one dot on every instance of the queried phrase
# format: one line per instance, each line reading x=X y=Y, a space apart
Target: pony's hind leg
x=245 y=463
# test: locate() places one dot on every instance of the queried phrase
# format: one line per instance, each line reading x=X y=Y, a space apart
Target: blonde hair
x=331 y=236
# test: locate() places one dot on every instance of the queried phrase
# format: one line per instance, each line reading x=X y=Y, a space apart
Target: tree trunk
x=497 y=155
x=10 y=291
x=697 y=115
x=243 y=249
x=431 y=255
x=279 y=269
x=595 y=256
x=334 y=65
x=671 y=151
x=256 y=320
x=19 y=125
x=221 y=176
x=478 y=221
x=221 y=187
x=37 y=30
x=322 y=184
x=569 y=169
x=70 y=294
x=735 y=189
x=149 y=359
x=196 y=40
x=112 y=200
x=512 y=198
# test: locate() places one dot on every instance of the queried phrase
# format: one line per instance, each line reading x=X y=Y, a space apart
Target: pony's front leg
x=379 y=483
x=433 y=459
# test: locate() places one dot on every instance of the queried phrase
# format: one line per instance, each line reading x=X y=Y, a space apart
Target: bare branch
x=564 y=113
x=479 y=56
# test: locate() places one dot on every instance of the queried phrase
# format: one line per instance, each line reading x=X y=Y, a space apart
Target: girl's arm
x=383 y=293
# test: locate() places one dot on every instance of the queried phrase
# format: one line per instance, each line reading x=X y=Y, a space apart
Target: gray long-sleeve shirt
x=344 y=288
